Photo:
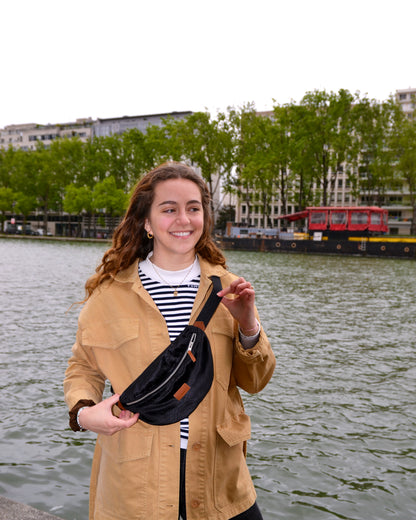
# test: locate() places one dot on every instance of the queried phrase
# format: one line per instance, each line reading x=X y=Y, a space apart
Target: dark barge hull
x=371 y=247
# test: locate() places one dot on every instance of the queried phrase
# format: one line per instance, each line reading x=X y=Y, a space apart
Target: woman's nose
x=183 y=217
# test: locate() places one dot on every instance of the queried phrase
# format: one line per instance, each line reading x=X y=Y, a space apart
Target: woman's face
x=176 y=220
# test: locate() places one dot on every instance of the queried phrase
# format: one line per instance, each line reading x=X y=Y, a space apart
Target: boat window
x=359 y=217
x=338 y=217
x=318 y=217
x=375 y=218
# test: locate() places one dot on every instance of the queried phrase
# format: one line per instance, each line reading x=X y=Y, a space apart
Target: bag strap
x=210 y=305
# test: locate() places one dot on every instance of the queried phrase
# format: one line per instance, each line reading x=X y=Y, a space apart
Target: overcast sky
x=62 y=60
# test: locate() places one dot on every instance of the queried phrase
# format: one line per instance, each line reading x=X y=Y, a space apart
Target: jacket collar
x=131 y=274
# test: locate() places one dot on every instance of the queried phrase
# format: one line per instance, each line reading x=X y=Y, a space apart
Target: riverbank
x=10 y=510
x=54 y=239
x=380 y=247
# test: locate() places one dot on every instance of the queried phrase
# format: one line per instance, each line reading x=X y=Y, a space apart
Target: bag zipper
x=188 y=352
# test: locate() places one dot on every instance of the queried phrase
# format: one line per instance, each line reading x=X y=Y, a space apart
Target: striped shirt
x=175 y=309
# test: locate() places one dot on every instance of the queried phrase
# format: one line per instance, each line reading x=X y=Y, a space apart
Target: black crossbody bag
x=174 y=384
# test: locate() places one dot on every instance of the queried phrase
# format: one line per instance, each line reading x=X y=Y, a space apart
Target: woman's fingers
x=100 y=418
x=237 y=287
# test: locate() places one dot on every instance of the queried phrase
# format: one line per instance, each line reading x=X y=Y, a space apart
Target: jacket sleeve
x=254 y=367
x=83 y=380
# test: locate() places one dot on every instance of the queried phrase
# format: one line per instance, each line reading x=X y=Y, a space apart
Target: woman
x=151 y=283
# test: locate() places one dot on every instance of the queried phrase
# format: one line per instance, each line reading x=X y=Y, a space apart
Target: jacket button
x=196 y=446
x=195 y=503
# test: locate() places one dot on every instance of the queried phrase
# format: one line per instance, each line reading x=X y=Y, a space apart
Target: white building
x=407 y=99
x=25 y=136
x=118 y=125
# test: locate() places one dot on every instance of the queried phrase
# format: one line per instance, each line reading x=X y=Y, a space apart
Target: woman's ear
x=147 y=226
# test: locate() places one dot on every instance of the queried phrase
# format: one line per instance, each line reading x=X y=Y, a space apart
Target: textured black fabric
x=182 y=493
x=173 y=385
x=251 y=514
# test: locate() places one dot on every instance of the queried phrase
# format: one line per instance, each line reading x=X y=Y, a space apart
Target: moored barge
x=358 y=231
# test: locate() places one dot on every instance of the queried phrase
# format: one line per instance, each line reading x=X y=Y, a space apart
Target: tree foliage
x=292 y=156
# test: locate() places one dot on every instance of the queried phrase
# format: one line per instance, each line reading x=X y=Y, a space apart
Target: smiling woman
x=155 y=280
x=176 y=221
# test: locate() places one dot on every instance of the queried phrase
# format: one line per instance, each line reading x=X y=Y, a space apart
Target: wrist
x=250 y=331
x=81 y=428
x=73 y=423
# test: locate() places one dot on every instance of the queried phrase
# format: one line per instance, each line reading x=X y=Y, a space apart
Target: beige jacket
x=135 y=472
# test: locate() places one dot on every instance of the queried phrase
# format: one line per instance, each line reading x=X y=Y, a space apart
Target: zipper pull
x=190 y=345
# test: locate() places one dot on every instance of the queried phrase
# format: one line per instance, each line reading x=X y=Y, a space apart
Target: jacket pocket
x=128 y=444
x=122 y=479
x=112 y=334
x=116 y=348
x=232 y=481
x=236 y=430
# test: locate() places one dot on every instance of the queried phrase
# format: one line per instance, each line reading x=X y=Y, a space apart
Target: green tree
x=327 y=127
x=7 y=199
x=25 y=204
x=297 y=183
x=225 y=214
x=108 y=199
x=77 y=200
x=134 y=144
x=115 y=156
x=262 y=161
x=374 y=122
x=41 y=172
x=244 y=122
x=9 y=161
x=403 y=145
x=95 y=163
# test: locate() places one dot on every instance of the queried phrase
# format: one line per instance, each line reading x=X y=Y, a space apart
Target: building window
x=402 y=96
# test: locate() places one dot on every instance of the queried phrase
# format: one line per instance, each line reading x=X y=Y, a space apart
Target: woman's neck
x=173 y=263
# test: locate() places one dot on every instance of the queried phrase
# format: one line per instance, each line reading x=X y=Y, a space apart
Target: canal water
x=334 y=433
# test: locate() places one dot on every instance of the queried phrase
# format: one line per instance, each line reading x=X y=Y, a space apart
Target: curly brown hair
x=130 y=240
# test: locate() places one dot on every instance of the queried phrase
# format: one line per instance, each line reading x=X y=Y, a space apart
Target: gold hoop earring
x=149 y=235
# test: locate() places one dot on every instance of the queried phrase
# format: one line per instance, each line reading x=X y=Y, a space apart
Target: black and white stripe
x=177 y=312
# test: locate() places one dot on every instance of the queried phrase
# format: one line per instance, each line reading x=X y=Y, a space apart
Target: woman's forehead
x=177 y=190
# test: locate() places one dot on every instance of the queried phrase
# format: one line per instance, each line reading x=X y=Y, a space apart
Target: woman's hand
x=100 y=419
x=241 y=305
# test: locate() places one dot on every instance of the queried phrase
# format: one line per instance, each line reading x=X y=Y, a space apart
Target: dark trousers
x=251 y=514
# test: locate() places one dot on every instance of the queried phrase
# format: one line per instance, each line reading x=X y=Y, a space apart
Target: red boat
x=342 y=221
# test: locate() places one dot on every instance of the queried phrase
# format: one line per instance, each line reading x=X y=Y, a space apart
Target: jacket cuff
x=73 y=423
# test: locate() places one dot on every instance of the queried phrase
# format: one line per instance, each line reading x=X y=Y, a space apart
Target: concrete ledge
x=10 y=510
